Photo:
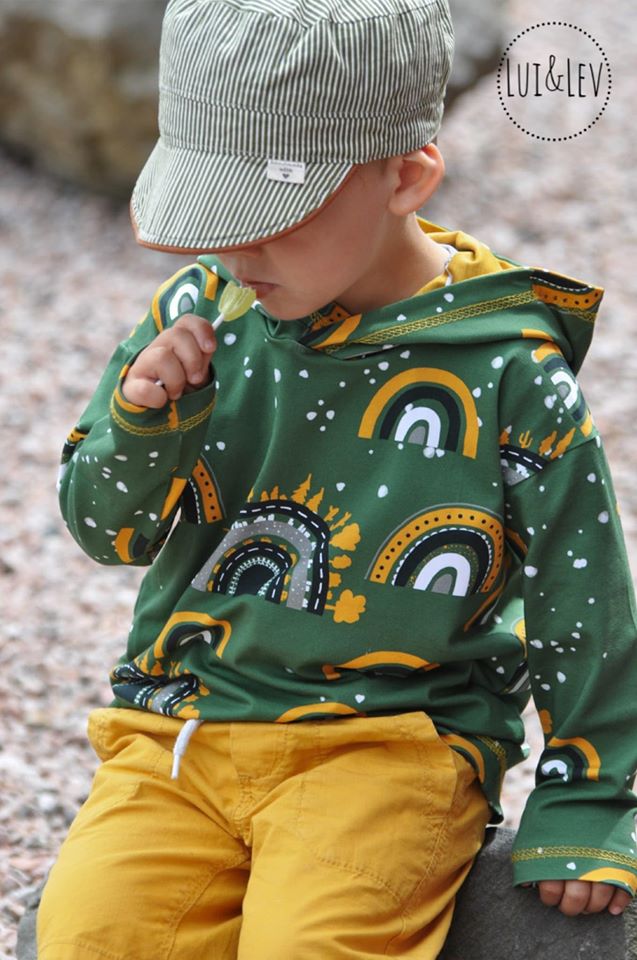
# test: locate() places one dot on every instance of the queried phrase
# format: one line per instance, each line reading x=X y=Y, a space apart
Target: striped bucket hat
x=266 y=105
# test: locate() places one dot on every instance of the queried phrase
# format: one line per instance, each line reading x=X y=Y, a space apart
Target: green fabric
x=363 y=515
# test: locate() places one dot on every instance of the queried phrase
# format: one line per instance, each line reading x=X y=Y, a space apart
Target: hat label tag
x=288 y=171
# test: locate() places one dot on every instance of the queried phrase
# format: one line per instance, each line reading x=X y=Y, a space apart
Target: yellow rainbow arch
x=382 y=658
x=424 y=375
x=297 y=713
x=194 y=617
x=585 y=747
x=431 y=520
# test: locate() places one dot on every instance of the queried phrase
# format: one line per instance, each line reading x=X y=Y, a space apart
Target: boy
x=386 y=483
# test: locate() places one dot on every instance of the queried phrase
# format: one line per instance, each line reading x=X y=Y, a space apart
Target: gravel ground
x=72 y=282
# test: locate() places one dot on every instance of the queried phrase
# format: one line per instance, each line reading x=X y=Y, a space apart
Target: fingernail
x=616 y=910
x=196 y=378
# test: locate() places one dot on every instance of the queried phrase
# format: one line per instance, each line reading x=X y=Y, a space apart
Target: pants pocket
x=378 y=805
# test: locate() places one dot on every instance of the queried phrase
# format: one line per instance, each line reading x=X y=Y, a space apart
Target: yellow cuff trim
x=189 y=424
x=610 y=874
x=126 y=404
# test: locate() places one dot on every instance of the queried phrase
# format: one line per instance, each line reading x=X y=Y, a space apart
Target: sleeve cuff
x=178 y=416
x=531 y=865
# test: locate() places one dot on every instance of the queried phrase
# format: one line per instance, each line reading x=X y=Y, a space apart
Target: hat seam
x=267 y=111
x=309 y=24
x=170 y=143
x=238 y=155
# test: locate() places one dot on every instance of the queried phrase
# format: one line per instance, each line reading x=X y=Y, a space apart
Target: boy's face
x=338 y=255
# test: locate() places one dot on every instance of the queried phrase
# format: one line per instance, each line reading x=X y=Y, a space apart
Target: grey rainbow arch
x=278 y=550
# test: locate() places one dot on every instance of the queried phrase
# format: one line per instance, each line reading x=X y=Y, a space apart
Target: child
x=377 y=511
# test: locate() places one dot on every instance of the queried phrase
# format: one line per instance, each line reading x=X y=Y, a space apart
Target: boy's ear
x=415 y=177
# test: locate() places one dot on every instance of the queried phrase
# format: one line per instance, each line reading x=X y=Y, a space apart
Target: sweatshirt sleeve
x=123 y=466
x=581 y=630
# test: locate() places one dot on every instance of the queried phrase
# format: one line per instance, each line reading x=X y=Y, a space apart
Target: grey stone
x=496 y=921
x=78 y=81
x=78 y=86
x=26 y=948
x=493 y=920
x=481 y=36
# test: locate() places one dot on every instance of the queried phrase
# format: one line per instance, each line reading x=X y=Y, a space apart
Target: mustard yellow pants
x=327 y=840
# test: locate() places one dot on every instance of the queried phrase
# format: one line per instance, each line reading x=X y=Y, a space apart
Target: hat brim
x=186 y=201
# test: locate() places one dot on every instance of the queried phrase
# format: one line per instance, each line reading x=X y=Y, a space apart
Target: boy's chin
x=286 y=313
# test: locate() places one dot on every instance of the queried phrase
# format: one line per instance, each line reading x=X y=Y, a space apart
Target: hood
x=482 y=297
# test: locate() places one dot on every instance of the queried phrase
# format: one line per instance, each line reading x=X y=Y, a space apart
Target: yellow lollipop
x=234 y=302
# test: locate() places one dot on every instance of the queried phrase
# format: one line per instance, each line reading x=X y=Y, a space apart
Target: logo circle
x=554 y=81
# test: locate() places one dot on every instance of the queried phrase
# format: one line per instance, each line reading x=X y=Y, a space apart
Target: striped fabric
x=326 y=84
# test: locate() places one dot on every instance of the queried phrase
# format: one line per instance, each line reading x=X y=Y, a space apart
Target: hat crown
x=365 y=62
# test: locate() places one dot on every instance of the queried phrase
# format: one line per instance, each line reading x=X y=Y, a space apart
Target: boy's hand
x=176 y=362
x=582 y=896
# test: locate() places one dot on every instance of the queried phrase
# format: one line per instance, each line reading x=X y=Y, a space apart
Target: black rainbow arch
x=455 y=549
x=427 y=406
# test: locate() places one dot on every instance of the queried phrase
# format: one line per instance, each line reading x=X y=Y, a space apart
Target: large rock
x=78 y=86
x=78 y=80
x=494 y=920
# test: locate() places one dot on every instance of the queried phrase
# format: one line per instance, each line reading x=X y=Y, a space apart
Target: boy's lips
x=261 y=287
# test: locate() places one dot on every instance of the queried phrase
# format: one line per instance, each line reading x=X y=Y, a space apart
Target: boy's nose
x=242 y=262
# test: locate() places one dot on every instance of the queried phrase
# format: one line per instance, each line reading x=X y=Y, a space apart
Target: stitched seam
x=591 y=852
x=98 y=951
x=296 y=832
x=426 y=323
x=188 y=901
x=338 y=865
x=183 y=427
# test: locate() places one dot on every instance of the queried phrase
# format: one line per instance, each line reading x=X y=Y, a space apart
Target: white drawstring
x=181 y=744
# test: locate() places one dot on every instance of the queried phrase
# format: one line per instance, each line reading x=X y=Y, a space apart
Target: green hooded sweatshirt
x=408 y=509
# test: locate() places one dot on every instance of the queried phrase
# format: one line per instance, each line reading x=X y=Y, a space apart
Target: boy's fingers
x=156 y=363
x=551 y=891
x=194 y=361
x=575 y=898
x=619 y=901
x=600 y=898
x=178 y=357
x=144 y=393
x=200 y=329
x=168 y=368
x=580 y=896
